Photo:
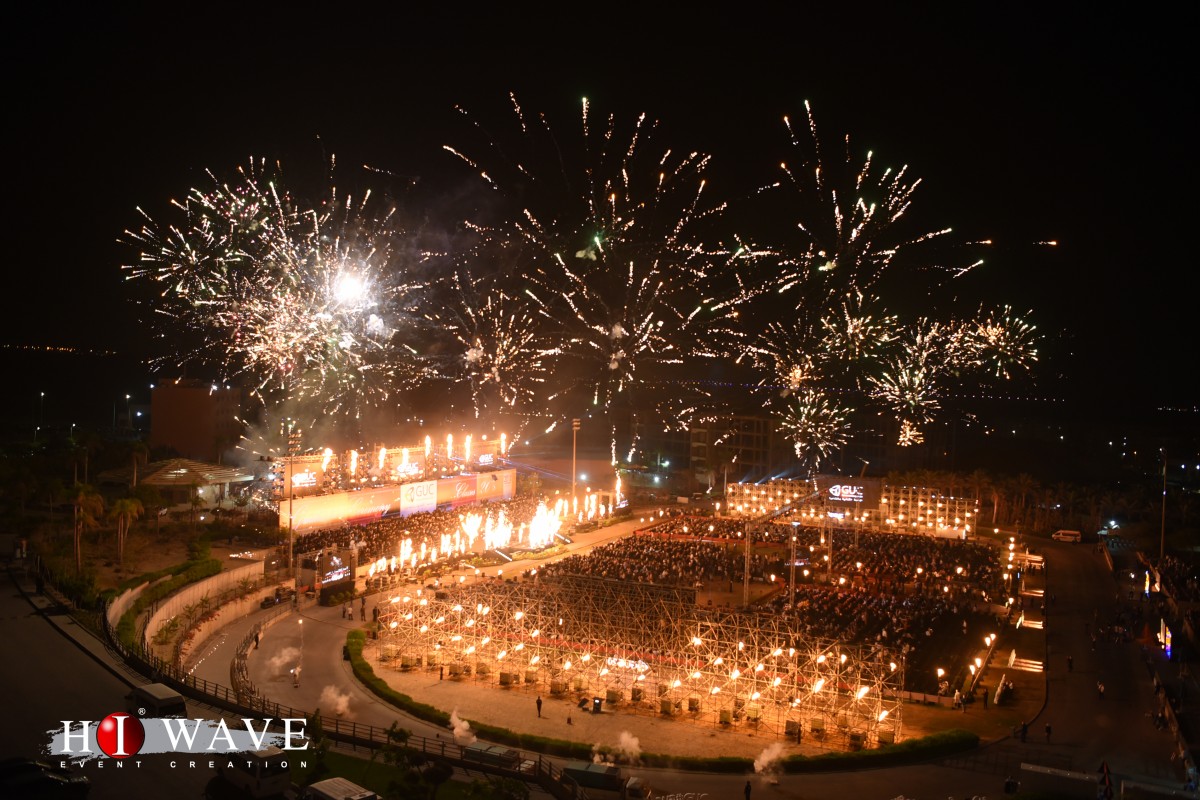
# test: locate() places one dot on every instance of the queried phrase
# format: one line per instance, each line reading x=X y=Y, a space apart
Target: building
x=196 y=419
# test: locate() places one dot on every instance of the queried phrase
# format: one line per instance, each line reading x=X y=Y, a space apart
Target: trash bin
x=597 y=702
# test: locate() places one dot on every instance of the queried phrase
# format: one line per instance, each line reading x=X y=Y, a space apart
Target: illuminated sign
x=622 y=663
x=485 y=459
x=304 y=479
x=840 y=490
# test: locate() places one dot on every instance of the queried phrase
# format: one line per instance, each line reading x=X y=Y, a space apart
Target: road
x=48 y=680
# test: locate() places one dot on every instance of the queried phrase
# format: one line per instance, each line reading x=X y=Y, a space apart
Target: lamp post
x=792 y=566
x=574 y=442
x=291 y=470
x=1162 y=536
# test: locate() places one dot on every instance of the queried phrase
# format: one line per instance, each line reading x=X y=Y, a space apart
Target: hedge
x=195 y=571
x=909 y=751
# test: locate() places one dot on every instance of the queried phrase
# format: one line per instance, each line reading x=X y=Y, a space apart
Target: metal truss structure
x=650 y=649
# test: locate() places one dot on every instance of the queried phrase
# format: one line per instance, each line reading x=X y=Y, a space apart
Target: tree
x=152 y=500
x=242 y=501
x=435 y=775
x=195 y=501
x=89 y=507
x=502 y=789
x=125 y=511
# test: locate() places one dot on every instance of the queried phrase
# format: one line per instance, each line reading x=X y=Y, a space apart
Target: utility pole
x=792 y=567
x=574 y=472
x=1162 y=537
x=746 y=570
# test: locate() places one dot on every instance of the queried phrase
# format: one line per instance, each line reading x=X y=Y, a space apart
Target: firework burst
x=817 y=425
x=613 y=237
x=1002 y=343
x=305 y=301
x=850 y=220
x=500 y=349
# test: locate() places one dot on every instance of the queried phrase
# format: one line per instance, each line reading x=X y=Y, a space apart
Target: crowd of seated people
x=876 y=600
x=658 y=560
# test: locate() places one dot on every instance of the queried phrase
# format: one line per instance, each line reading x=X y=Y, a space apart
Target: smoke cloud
x=461 y=728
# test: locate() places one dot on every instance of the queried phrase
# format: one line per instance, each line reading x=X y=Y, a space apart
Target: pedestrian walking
x=441 y=673
x=539 y=705
x=1024 y=731
x=985 y=697
x=257 y=635
x=747 y=791
x=1047 y=732
x=1070 y=664
x=957 y=698
x=1100 y=689
x=362 y=612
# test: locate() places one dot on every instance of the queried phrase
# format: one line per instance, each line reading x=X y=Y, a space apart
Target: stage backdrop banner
x=844 y=491
x=459 y=491
x=420 y=496
x=334 y=510
x=494 y=486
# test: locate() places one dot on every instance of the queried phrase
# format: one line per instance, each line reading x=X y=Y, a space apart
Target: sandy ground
x=515 y=708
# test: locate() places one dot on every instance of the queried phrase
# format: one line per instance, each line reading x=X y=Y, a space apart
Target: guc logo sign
x=846 y=493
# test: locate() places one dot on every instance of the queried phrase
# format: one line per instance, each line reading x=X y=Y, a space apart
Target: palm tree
x=195 y=501
x=152 y=500
x=1025 y=487
x=89 y=507
x=125 y=511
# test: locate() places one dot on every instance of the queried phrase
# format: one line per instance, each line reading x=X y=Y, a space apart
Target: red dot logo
x=120 y=735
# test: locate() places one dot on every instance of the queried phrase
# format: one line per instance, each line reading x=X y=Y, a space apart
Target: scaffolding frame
x=650 y=648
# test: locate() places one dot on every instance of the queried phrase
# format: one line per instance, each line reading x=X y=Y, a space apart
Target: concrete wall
x=122 y=602
x=190 y=595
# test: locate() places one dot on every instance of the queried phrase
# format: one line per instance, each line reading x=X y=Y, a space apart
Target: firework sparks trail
x=306 y=301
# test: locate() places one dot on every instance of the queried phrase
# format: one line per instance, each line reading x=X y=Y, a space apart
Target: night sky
x=1025 y=127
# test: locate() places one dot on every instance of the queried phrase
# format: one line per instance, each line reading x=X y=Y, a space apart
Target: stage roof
x=178 y=472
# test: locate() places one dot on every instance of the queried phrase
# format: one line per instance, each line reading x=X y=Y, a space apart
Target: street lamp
x=574 y=441
x=792 y=578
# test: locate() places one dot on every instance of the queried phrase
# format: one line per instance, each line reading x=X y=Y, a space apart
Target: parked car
x=25 y=777
x=282 y=595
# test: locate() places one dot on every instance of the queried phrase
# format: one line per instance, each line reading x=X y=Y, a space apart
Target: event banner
x=420 y=496
x=494 y=486
x=454 y=492
x=844 y=491
x=334 y=510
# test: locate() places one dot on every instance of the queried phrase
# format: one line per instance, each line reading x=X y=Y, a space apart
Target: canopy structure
x=178 y=472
